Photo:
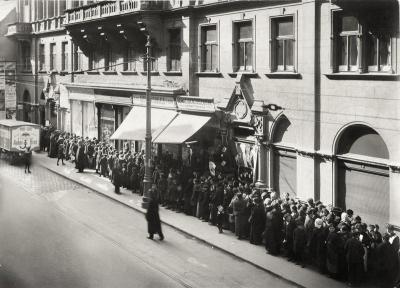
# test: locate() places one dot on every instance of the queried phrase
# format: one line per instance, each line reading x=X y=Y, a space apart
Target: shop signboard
x=30 y=134
x=156 y=101
x=8 y=94
x=14 y=134
x=190 y=103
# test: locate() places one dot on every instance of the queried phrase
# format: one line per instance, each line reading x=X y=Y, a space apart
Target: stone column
x=259 y=124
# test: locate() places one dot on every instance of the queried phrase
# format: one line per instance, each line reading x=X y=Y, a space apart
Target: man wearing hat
x=239 y=207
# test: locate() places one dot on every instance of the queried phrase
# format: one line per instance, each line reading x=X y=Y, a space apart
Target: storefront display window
x=107 y=123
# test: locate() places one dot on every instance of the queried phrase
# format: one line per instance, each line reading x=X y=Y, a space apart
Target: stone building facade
x=310 y=87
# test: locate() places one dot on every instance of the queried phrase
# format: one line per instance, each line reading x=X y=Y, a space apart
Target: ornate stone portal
x=242 y=111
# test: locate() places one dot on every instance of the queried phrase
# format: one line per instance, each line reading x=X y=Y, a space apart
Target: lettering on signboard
x=160 y=101
x=195 y=103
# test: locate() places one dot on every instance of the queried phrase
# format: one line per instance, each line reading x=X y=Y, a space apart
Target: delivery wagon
x=13 y=136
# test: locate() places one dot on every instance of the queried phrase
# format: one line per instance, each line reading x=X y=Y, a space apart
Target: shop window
x=42 y=64
x=209 y=48
x=174 y=53
x=243 y=46
x=64 y=56
x=53 y=56
x=283 y=44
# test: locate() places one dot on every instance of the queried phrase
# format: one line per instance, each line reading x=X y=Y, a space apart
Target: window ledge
x=152 y=73
x=77 y=72
x=93 y=72
x=244 y=73
x=284 y=75
x=209 y=74
x=26 y=71
x=42 y=72
x=129 y=73
x=362 y=76
x=63 y=72
x=173 y=73
x=109 y=72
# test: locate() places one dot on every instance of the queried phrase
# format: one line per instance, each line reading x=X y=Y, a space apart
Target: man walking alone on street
x=153 y=218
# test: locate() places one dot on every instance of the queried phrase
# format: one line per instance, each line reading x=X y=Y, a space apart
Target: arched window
x=362 y=177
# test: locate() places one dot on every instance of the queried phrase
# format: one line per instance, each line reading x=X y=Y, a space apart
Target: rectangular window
x=64 y=56
x=283 y=44
x=26 y=56
x=378 y=50
x=78 y=59
x=174 y=59
x=42 y=64
x=349 y=32
x=53 y=56
x=111 y=60
x=130 y=59
x=94 y=60
x=209 y=48
x=244 y=46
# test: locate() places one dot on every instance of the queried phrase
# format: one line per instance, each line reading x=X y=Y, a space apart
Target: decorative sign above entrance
x=241 y=109
x=156 y=101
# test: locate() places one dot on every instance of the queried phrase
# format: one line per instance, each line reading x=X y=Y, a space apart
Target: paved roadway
x=56 y=233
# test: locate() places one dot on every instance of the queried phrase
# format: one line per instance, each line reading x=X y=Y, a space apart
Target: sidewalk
x=226 y=242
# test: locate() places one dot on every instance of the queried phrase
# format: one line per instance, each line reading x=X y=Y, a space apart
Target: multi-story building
x=303 y=92
x=7 y=62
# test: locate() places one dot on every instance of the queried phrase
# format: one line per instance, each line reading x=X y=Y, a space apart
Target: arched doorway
x=284 y=158
x=26 y=98
x=362 y=174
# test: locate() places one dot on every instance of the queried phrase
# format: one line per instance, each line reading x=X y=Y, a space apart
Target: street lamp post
x=147 y=181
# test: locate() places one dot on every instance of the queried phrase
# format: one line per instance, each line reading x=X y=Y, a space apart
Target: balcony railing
x=49 y=24
x=110 y=8
x=19 y=29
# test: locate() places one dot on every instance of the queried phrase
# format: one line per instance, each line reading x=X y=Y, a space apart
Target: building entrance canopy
x=181 y=128
x=134 y=125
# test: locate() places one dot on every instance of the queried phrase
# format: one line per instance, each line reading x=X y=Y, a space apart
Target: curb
x=176 y=228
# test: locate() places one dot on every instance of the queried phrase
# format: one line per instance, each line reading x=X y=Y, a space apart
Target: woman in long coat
x=153 y=217
x=333 y=247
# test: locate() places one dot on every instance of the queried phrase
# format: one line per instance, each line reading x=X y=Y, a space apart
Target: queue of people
x=336 y=242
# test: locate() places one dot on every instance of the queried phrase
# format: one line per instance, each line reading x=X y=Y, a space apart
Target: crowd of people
x=336 y=242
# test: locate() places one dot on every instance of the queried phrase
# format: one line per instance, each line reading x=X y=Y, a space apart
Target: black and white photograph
x=199 y=143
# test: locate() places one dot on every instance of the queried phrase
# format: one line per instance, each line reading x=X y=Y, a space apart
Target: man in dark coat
x=80 y=157
x=333 y=248
x=153 y=217
x=257 y=221
x=238 y=207
x=355 y=258
x=117 y=179
x=299 y=243
x=386 y=260
x=289 y=226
